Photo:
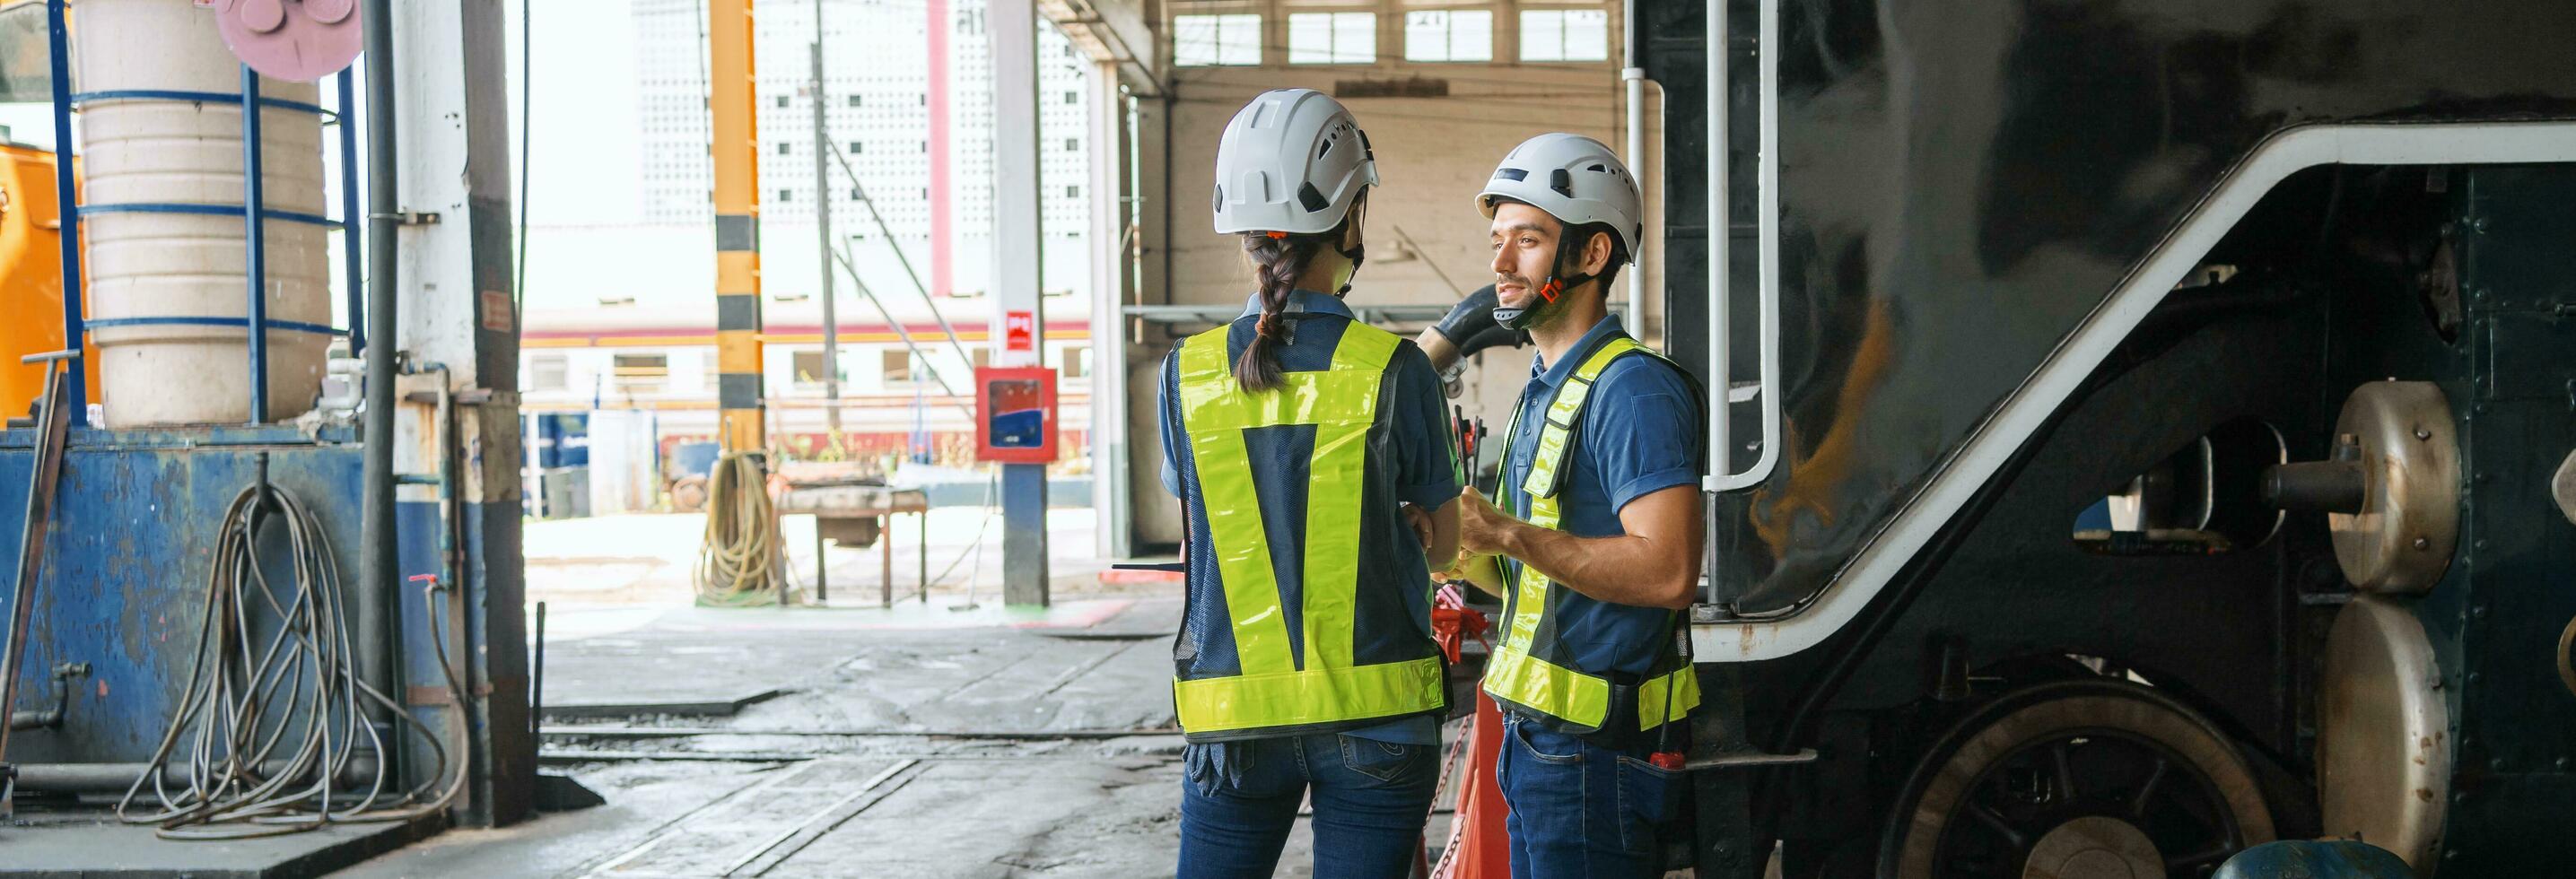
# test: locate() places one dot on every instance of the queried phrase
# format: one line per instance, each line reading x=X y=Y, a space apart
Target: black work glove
x=1470 y=326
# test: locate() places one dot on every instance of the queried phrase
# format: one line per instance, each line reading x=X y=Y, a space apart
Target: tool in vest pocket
x=1665 y=757
x=1453 y=622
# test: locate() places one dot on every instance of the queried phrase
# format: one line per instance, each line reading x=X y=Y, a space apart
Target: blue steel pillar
x=1024 y=538
x=67 y=205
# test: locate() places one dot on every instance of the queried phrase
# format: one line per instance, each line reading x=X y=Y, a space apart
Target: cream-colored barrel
x=169 y=290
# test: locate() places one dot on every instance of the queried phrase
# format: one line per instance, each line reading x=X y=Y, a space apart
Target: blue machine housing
x=128 y=555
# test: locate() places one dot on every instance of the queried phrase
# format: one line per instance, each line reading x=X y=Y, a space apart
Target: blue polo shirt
x=1418 y=452
x=1642 y=431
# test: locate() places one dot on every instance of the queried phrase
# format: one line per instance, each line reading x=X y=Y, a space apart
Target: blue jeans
x=1579 y=810
x=1241 y=798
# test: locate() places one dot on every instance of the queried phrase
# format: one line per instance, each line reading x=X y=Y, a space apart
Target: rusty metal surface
x=43 y=480
x=2402 y=539
x=126 y=564
x=2383 y=744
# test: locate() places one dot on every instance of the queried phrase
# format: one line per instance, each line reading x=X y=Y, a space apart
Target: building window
x=1449 y=35
x=641 y=373
x=898 y=367
x=782 y=100
x=1075 y=362
x=855 y=195
x=1215 y=40
x=1073 y=97
x=1565 y=35
x=786 y=195
x=782 y=149
x=1332 y=38
x=1072 y=144
x=983 y=357
x=856 y=147
x=1073 y=192
x=854 y=100
x=548 y=372
x=809 y=370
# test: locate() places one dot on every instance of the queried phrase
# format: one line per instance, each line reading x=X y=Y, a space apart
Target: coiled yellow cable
x=738 y=563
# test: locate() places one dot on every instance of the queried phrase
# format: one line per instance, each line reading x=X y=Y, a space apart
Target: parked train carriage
x=2172 y=450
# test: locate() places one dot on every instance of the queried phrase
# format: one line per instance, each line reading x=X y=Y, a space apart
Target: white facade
x=876 y=69
x=620 y=273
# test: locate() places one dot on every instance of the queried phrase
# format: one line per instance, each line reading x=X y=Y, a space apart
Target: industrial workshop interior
x=1354 y=439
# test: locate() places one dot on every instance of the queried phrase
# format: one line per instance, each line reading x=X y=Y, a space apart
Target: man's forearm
x=1621 y=570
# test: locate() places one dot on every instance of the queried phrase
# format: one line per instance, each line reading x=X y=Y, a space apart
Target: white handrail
x=1721 y=475
x=1633 y=78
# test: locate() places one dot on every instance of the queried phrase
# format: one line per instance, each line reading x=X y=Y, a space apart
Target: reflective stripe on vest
x=1272 y=691
x=1516 y=675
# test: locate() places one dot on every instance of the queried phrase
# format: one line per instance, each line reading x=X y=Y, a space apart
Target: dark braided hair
x=1277 y=260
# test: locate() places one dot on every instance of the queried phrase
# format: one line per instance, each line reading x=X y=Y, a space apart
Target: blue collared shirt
x=1424 y=469
x=1641 y=432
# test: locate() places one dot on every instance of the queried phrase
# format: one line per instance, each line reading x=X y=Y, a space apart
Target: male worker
x=1599 y=525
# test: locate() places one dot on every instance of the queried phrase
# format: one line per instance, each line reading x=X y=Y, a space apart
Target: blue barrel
x=694 y=459
x=563 y=440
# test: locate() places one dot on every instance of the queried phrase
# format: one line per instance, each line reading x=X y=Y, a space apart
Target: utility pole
x=736 y=147
x=823 y=243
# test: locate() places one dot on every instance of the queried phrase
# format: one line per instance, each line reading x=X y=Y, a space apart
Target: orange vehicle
x=31 y=273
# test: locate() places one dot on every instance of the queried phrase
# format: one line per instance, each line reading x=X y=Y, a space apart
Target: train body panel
x=2061 y=285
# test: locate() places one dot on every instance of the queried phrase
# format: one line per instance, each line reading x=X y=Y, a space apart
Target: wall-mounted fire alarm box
x=1015 y=414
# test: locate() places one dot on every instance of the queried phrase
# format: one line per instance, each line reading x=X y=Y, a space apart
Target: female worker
x=1312 y=458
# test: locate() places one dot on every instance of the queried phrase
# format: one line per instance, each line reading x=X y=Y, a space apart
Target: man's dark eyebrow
x=1524 y=226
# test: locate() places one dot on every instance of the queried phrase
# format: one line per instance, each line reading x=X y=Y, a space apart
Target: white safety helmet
x=1291 y=161
x=1575 y=179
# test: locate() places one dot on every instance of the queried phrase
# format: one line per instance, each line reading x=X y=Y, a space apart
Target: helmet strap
x=1356 y=253
x=1550 y=292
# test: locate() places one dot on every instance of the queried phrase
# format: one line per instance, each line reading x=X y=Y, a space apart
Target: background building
x=619 y=319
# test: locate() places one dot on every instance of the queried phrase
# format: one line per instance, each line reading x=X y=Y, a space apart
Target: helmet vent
x=1310 y=199
x=1510 y=174
x=1562 y=182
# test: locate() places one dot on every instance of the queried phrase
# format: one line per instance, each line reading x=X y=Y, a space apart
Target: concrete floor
x=922 y=741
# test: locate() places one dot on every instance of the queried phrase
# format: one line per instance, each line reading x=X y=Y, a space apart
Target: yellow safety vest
x=1532 y=673
x=1332 y=687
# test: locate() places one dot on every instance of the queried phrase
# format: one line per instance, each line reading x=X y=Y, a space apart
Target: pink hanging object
x=300 y=40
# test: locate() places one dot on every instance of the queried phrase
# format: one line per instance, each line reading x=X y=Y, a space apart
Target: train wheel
x=2076 y=780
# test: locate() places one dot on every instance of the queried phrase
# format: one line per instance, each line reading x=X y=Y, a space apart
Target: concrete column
x=457 y=311
x=1154 y=517
x=1110 y=500
x=1018 y=278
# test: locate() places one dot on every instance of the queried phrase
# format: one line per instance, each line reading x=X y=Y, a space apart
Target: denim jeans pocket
x=1545 y=744
x=1647 y=797
x=1387 y=762
x=1203 y=767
